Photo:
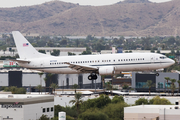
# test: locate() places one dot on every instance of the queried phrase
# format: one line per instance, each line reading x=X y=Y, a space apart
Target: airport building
x=140 y=79
x=152 y=112
x=30 y=79
x=26 y=107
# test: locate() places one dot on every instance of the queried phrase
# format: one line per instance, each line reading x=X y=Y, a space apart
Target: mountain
x=60 y=18
x=134 y=1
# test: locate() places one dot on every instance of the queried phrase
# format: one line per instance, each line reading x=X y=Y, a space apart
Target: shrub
x=115 y=111
x=141 y=101
x=93 y=115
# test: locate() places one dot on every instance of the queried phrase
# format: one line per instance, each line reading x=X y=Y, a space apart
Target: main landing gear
x=92 y=77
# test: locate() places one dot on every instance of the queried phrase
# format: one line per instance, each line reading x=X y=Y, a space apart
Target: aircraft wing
x=82 y=68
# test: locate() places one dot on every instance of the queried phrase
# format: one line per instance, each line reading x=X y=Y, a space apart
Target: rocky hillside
x=128 y=19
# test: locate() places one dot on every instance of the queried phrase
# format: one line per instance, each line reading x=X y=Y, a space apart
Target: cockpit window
x=163 y=57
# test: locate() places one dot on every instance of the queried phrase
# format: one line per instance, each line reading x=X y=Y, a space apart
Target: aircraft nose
x=171 y=61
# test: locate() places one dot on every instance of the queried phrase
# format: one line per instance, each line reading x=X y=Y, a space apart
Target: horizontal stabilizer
x=20 y=61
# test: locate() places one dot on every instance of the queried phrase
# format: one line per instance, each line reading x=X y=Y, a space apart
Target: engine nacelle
x=109 y=70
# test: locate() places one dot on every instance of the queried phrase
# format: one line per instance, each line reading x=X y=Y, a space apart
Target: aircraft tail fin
x=24 y=48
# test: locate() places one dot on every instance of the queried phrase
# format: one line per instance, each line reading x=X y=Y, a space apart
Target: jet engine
x=109 y=70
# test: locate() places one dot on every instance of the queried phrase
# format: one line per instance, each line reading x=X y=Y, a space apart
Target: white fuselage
x=121 y=62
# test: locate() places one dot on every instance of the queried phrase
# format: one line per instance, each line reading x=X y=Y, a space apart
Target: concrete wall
x=32 y=79
x=4 y=79
x=169 y=114
x=35 y=111
x=15 y=113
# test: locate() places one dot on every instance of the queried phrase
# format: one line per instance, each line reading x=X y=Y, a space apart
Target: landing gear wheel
x=92 y=77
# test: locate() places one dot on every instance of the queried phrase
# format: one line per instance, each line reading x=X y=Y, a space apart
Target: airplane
x=103 y=64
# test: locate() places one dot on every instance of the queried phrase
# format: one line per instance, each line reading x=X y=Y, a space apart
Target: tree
x=49 y=76
x=44 y=117
x=63 y=41
x=102 y=101
x=159 y=101
x=117 y=99
x=102 y=78
x=149 y=85
x=92 y=114
x=77 y=100
x=55 y=52
x=13 y=89
x=141 y=101
x=39 y=87
x=108 y=86
x=173 y=86
x=69 y=53
x=99 y=102
x=75 y=86
x=42 y=51
x=115 y=111
x=54 y=86
x=179 y=85
x=125 y=86
x=167 y=79
x=45 y=80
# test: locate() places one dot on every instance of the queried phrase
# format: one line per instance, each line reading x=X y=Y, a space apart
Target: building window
x=52 y=109
x=160 y=85
x=168 y=85
x=44 y=110
x=47 y=109
x=141 y=85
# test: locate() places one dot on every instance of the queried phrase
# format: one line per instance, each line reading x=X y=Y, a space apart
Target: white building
x=152 y=112
x=26 y=107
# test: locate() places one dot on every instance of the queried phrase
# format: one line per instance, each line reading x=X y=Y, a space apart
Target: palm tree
x=77 y=100
x=54 y=86
x=149 y=84
x=39 y=87
x=103 y=76
x=167 y=79
x=75 y=86
x=179 y=85
x=50 y=77
x=45 y=80
x=173 y=86
x=40 y=74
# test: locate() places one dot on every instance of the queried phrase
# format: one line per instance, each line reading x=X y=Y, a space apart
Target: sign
x=10 y=64
x=15 y=105
x=62 y=116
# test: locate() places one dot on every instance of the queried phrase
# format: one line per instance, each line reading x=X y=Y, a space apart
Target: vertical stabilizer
x=24 y=48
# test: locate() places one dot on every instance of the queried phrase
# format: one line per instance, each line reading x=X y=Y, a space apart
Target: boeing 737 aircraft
x=106 y=64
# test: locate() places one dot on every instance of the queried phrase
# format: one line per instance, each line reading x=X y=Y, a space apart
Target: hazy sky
x=15 y=3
